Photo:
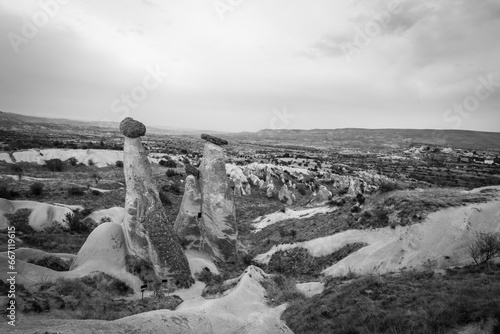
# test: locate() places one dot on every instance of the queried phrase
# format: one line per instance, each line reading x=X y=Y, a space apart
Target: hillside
x=12 y=120
x=373 y=138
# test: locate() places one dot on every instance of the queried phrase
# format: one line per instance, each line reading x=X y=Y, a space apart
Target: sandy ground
x=275 y=217
x=242 y=310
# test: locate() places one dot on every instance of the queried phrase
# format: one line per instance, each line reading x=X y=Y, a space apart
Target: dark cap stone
x=214 y=140
x=132 y=128
x=191 y=170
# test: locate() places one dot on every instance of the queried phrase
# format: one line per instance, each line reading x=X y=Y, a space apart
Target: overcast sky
x=245 y=65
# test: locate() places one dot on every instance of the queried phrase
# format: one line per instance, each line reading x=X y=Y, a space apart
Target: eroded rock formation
x=206 y=218
x=187 y=224
x=285 y=195
x=150 y=237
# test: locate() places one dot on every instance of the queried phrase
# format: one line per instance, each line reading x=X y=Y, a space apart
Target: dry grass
x=411 y=302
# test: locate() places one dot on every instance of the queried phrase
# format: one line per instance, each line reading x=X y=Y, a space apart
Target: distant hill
x=373 y=138
x=11 y=120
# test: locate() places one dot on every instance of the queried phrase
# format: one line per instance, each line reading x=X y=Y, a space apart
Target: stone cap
x=191 y=170
x=131 y=128
x=214 y=140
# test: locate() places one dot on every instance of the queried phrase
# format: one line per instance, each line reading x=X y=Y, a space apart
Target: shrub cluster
x=76 y=191
x=54 y=165
x=281 y=289
x=52 y=262
x=20 y=220
x=36 y=188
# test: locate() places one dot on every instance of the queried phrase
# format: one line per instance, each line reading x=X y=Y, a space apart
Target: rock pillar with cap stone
x=218 y=221
x=149 y=236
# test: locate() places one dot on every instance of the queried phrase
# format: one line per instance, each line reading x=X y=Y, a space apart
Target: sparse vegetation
x=20 y=220
x=298 y=262
x=97 y=296
x=170 y=173
x=52 y=262
x=36 y=188
x=485 y=247
x=281 y=289
x=410 y=302
x=54 y=165
x=77 y=224
x=76 y=191
x=7 y=193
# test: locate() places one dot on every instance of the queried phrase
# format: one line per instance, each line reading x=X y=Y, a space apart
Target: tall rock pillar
x=149 y=236
x=218 y=221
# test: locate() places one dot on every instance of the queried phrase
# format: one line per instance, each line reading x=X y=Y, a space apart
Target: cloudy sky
x=241 y=65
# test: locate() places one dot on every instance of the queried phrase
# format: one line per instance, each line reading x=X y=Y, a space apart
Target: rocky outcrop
x=238 y=187
x=214 y=140
x=270 y=190
x=218 y=223
x=356 y=186
x=149 y=236
x=187 y=224
x=285 y=195
x=248 y=189
x=323 y=194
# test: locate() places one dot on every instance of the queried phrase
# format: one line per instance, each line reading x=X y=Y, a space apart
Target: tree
x=18 y=170
x=36 y=188
x=485 y=247
x=54 y=165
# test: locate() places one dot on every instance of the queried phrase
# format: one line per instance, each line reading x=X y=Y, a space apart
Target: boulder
x=238 y=187
x=191 y=170
x=270 y=190
x=187 y=224
x=323 y=194
x=218 y=222
x=355 y=187
x=131 y=128
x=214 y=140
x=248 y=189
x=149 y=236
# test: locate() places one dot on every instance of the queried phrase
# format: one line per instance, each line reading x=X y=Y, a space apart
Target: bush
x=172 y=188
x=52 y=262
x=91 y=162
x=72 y=161
x=76 y=191
x=168 y=163
x=485 y=247
x=7 y=193
x=302 y=190
x=20 y=220
x=164 y=198
x=76 y=222
x=54 y=165
x=16 y=169
x=170 y=173
x=281 y=289
x=36 y=188
x=207 y=277
x=119 y=163
x=387 y=186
